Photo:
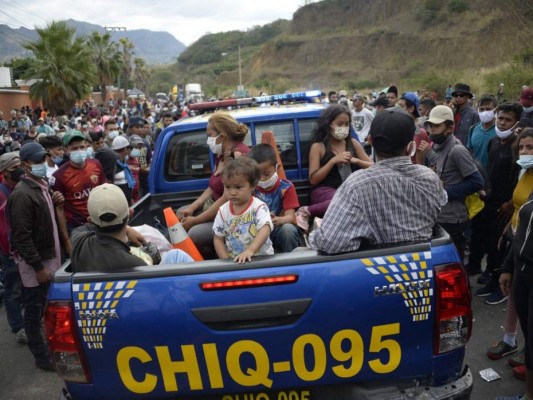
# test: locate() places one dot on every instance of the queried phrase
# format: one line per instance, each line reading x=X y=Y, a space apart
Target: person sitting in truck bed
x=242 y=226
x=225 y=138
x=101 y=244
x=280 y=197
x=333 y=156
x=393 y=201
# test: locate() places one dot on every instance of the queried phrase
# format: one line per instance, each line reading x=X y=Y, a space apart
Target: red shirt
x=76 y=184
x=418 y=138
x=134 y=165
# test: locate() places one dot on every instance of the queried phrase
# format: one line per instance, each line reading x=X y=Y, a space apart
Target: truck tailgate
x=269 y=329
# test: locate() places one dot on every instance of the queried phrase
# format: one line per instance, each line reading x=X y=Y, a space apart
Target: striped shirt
x=392 y=201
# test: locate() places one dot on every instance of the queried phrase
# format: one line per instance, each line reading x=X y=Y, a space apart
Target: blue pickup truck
x=380 y=323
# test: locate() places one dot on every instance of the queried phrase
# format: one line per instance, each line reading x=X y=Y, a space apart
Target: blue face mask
x=39 y=170
x=525 y=161
x=90 y=152
x=57 y=160
x=135 y=153
x=78 y=156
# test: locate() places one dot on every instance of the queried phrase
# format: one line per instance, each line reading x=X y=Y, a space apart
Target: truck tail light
x=247 y=283
x=65 y=346
x=454 y=312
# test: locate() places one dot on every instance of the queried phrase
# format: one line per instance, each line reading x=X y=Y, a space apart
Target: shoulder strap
x=446 y=159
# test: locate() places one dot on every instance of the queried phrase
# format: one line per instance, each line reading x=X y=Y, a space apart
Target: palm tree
x=140 y=75
x=63 y=66
x=107 y=59
x=127 y=48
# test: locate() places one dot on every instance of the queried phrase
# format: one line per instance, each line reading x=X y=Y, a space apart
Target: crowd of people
x=465 y=163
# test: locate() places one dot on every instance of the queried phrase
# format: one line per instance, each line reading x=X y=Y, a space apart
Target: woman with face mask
x=225 y=138
x=517 y=270
x=333 y=156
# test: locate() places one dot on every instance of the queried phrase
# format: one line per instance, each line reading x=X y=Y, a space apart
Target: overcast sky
x=187 y=20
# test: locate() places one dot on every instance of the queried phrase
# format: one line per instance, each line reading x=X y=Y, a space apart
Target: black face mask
x=438 y=138
x=16 y=174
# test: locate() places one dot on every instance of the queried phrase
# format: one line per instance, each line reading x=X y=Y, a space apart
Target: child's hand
x=275 y=220
x=245 y=256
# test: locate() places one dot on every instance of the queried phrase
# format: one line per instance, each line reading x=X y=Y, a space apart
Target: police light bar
x=309 y=96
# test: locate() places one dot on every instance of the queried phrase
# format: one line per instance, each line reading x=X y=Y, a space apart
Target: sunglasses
x=460 y=95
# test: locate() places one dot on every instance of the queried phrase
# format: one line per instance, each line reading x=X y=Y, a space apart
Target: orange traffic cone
x=267 y=137
x=178 y=235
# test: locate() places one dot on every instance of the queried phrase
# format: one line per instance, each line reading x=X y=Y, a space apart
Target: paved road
x=20 y=380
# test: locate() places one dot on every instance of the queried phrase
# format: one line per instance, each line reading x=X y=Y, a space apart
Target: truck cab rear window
x=187 y=157
x=286 y=139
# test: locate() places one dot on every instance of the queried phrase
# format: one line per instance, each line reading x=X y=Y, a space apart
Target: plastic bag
x=474 y=205
x=152 y=235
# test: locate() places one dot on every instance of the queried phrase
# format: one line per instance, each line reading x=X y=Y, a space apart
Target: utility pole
x=240 y=70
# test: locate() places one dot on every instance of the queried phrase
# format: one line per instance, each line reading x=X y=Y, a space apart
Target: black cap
x=391 y=130
x=462 y=88
x=32 y=151
x=380 y=101
x=136 y=121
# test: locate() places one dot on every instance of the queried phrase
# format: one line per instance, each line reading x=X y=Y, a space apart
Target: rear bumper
x=460 y=389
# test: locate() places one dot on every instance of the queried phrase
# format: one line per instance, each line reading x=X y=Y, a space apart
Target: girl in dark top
x=333 y=156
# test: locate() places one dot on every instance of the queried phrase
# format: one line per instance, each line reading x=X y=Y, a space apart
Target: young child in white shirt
x=242 y=226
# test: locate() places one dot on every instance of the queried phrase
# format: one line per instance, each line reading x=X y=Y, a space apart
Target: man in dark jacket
x=35 y=238
x=101 y=245
x=464 y=115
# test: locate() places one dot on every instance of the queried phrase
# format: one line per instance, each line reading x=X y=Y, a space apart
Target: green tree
x=140 y=74
x=63 y=66
x=20 y=66
x=127 y=52
x=107 y=59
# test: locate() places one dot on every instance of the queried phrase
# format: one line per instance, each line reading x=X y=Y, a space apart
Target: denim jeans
x=285 y=238
x=33 y=314
x=13 y=295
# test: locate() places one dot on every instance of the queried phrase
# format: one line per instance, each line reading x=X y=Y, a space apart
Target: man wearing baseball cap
x=11 y=174
x=455 y=166
x=392 y=201
x=136 y=128
x=101 y=244
x=35 y=240
x=76 y=178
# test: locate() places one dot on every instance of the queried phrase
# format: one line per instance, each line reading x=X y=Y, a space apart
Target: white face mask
x=269 y=182
x=525 y=161
x=212 y=143
x=341 y=132
x=505 y=134
x=486 y=116
x=112 y=134
x=528 y=109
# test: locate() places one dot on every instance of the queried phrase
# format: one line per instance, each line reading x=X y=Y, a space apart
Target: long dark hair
x=322 y=132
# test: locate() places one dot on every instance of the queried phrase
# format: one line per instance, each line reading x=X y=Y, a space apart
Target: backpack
x=5 y=228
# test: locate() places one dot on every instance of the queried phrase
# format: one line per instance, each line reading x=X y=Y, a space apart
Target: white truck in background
x=193 y=91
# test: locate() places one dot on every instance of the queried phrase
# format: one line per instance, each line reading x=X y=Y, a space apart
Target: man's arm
x=471 y=184
x=343 y=226
x=21 y=214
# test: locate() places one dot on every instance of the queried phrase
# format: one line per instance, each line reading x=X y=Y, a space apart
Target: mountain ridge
x=156 y=47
